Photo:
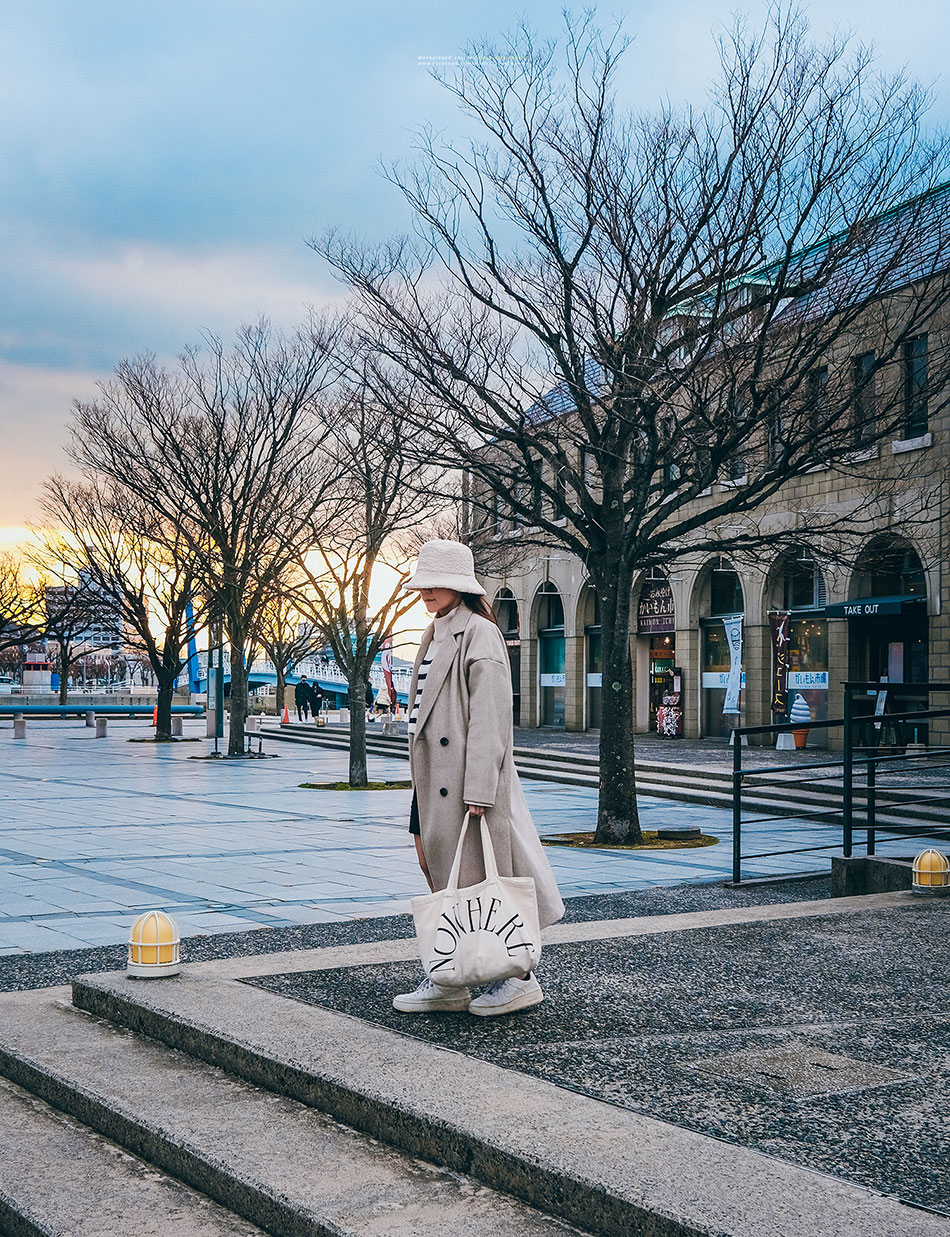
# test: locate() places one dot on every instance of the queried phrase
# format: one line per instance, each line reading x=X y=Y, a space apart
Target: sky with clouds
x=164 y=162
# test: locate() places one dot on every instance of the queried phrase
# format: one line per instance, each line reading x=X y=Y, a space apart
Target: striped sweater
x=439 y=630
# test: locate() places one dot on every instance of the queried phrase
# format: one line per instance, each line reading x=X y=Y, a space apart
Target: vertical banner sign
x=779 y=624
x=733 y=628
x=386 y=657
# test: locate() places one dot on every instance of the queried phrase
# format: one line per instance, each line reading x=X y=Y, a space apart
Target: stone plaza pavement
x=94 y=831
x=762 y=1062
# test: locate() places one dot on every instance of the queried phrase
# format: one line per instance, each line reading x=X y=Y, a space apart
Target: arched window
x=888 y=567
x=725 y=590
x=506 y=612
x=797 y=582
x=550 y=608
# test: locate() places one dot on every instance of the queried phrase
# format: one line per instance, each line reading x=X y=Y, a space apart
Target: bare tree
x=139 y=562
x=354 y=591
x=637 y=329
x=77 y=618
x=226 y=451
x=284 y=636
x=21 y=605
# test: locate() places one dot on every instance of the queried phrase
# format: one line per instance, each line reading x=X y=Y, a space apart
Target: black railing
x=858 y=774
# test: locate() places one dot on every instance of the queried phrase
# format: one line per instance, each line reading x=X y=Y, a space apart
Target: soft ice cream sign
x=733 y=628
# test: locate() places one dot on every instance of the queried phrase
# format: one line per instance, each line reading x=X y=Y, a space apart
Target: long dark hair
x=478 y=605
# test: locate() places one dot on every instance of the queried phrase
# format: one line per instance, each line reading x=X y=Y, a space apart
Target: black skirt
x=414 y=827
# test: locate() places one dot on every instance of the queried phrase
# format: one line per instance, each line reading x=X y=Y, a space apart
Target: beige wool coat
x=461 y=753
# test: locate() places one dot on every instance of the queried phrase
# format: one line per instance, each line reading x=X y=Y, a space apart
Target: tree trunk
x=356 y=698
x=63 y=678
x=166 y=690
x=238 y=706
x=281 y=690
x=617 y=816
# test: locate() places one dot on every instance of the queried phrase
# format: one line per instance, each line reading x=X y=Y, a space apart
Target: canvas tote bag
x=482 y=933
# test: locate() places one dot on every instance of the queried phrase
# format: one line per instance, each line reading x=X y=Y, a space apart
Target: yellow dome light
x=931 y=872
x=154 y=946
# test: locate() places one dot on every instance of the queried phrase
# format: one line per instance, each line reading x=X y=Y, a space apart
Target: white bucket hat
x=446 y=564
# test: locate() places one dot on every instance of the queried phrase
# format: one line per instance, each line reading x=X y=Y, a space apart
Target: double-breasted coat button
x=444 y=742
x=443 y=792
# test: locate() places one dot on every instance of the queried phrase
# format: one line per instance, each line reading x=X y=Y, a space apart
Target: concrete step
x=688 y=783
x=278 y=1163
x=59 y=1177
x=607 y=1168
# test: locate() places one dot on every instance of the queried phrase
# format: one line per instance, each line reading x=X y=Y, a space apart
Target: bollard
x=176 y=727
x=102 y=728
x=19 y=727
x=91 y=718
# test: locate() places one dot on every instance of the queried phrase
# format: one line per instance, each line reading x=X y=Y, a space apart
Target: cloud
x=197 y=288
x=34 y=412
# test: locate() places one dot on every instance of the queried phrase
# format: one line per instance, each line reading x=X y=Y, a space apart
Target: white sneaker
x=507 y=995
x=430 y=998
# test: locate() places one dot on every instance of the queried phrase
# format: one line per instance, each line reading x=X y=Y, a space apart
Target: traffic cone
x=285 y=720
x=155 y=716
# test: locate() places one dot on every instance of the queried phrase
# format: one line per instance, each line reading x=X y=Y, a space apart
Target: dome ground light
x=154 y=947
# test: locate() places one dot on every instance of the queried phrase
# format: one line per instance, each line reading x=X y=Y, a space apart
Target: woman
x=461 y=760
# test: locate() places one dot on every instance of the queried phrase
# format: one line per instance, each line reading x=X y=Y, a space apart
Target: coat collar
x=442 y=661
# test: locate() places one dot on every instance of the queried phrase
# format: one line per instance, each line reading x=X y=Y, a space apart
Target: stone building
x=877 y=612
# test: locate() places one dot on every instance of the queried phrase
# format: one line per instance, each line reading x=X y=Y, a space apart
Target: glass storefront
x=726 y=600
x=716 y=665
x=656 y=623
x=595 y=667
x=808 y=671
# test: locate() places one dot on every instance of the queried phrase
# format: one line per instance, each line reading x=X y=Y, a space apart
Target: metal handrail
x=855 y=759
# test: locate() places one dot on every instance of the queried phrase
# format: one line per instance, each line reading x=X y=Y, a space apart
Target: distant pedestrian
x=302 y=699
x=370 y=701
x=316 y=698
x=461 y=760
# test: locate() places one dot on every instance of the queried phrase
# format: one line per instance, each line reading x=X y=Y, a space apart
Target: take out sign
x=864 y=609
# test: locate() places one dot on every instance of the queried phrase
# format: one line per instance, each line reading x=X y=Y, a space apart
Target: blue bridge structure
x=327 y=674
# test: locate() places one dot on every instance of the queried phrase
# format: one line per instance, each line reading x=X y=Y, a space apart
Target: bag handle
x=488 y=853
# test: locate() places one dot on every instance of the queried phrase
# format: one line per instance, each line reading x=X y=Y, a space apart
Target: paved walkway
x=92 y=832
x=807 y=1032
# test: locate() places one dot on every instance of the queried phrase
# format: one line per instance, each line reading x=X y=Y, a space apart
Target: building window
x=817 y=396
x=735 y=469
x=496 y=513
x=559 y=502
x=777 y=430
x=915 y=387
x=803 y=586
x=865 y=398
x=725 y=591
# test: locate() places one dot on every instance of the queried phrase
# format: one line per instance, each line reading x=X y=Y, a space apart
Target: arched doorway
x=721 y=609
x=551 y=655
x=795 y=602
x=506 y=612
x=887 y=614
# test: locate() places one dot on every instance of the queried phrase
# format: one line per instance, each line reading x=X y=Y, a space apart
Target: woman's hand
x=475 y=809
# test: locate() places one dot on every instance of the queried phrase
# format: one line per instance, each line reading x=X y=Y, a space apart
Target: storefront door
x=553 y=678
x=662 y=661
x=595 y=666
